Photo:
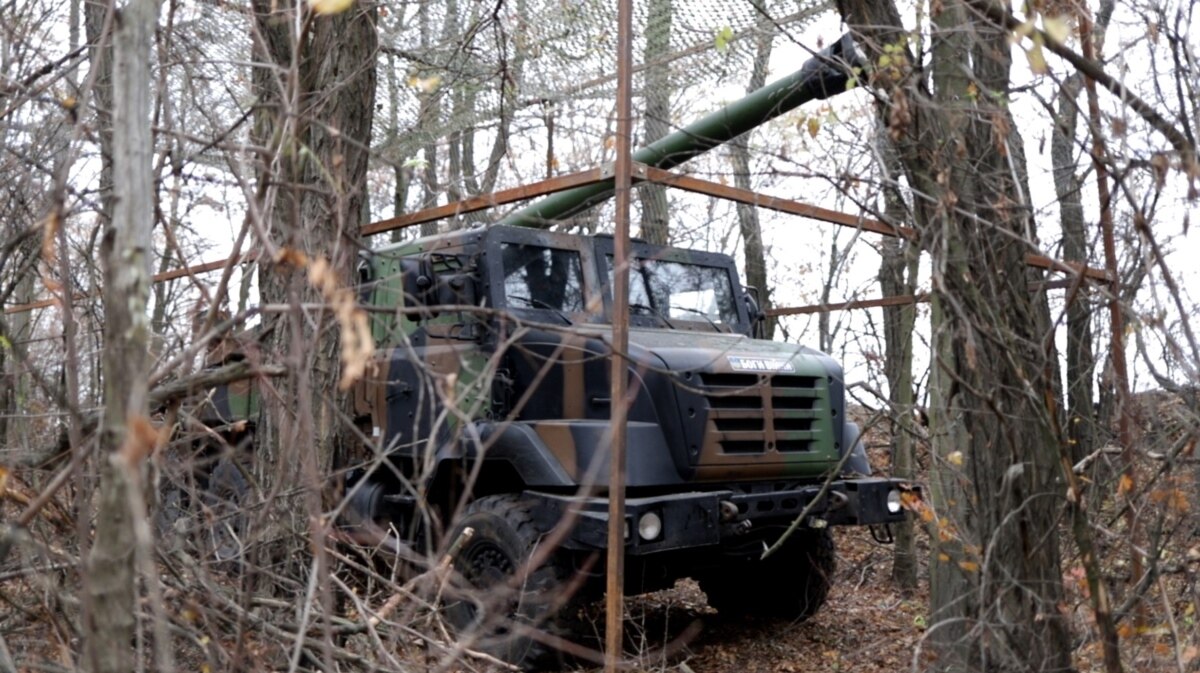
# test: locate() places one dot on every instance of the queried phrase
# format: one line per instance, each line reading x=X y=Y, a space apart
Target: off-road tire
x=496 y=619
x=791 y=584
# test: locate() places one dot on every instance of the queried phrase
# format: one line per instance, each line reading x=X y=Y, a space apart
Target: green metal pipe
x=822 y=76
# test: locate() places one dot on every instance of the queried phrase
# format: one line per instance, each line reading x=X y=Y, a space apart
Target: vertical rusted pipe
x=1116 y=322
x=615 y=589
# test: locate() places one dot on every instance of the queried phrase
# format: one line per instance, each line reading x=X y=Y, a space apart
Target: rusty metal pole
x=1125 y=410
x=615 y=590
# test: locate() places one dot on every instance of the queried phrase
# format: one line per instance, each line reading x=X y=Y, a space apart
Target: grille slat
x=797 y=403
x=742 y=447
x=739 y=424
x=738 y=404
x=790 y=381
x=743 y=437
x=731 y=380
x=729 y=402
x=788 y=424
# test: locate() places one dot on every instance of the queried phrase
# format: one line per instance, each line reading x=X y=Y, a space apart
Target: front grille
x=760 y=413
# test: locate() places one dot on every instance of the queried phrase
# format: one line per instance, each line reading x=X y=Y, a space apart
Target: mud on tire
x=791 y=584
x=493 y=612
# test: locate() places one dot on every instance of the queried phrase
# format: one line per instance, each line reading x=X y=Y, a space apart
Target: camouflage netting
x=543 y=76
x=474 y=97
x=477 y=97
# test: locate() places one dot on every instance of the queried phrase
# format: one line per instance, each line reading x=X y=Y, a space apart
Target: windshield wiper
x=538 y=303
x=652 y=311
x=704 y=314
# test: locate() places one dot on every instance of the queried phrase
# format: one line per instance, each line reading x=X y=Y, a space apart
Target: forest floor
x=867 y=624
x=870 y=625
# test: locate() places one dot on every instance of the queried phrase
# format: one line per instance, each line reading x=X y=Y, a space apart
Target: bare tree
x=656 y=122
x=753 y=249
x=898 y=268
x=997 y=571
x=315 y=80
x=128 y=253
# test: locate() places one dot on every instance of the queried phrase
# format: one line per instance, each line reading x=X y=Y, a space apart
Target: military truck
x=487 y=411
x=491 y=389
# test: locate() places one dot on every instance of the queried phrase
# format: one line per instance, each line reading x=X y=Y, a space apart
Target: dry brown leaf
x=358 y=345
x=291 y=256
x=140 y=439
x=50 y=235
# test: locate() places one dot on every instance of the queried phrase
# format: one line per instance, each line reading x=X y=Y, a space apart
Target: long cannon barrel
x=822 y=76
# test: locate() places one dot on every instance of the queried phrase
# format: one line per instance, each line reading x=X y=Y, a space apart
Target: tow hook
x=729 y=511
x=730 y=514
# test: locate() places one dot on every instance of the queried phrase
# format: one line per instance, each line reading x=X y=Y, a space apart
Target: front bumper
x=703 y=518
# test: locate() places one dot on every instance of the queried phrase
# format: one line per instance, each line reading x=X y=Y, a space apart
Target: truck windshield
x=682 y=291
x=541 y=277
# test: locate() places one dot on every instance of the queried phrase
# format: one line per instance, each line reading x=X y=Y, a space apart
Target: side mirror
x=455 y=289
x=366 y=277
x=758 y=319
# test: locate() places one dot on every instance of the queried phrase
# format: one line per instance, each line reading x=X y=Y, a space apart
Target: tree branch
x=1095 y=71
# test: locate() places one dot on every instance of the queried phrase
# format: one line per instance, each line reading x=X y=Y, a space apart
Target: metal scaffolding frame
x=639 y=173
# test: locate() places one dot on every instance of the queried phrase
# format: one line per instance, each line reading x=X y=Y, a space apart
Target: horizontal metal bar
x=485 y=201
x=895 y=300
x=157 y=278
x=470 y=205
x=700 y=186
x=641 y=173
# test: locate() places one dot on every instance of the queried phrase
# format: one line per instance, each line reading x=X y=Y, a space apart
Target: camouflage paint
x=709 y=403
x=694 y=395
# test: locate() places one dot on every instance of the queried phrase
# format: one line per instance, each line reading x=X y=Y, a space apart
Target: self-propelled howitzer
x=487 y=413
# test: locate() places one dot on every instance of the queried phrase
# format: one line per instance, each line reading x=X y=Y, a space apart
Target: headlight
x=649 y=526
x=894 y=504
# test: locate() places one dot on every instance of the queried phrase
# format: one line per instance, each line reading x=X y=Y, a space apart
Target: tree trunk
x=1081 y=363
x=323 y=105
x=656 y=123
x=428 y=123
x=897 y=276
x=739 y=155
x=401 y=171
x=127 y=255
x=995 y=579
x=825 y=333
x=15 y=389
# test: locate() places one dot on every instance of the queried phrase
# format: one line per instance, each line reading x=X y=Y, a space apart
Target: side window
x=541 y=277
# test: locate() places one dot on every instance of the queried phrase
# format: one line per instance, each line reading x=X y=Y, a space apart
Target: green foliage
x=722 y=39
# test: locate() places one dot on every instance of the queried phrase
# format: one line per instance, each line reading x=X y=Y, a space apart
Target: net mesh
x=542 y=74
x=475 y=97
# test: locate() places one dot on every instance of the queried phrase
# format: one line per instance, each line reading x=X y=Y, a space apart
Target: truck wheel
x=494 y=612
x=791 y=584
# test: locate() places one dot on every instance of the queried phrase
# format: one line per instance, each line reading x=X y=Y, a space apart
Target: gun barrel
x=822 y=76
